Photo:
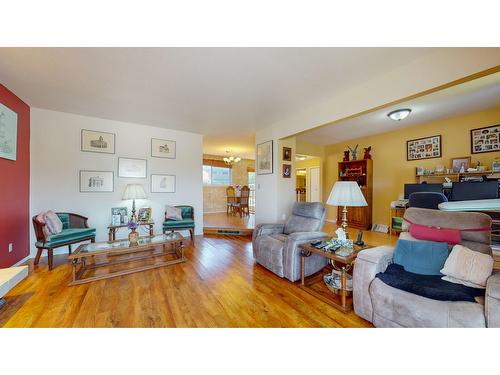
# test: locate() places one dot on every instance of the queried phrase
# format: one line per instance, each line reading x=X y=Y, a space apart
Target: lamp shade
x=346 y=193
x=134 y=191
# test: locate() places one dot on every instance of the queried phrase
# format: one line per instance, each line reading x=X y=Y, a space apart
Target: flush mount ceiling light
x=231 y=160
x=399 y=114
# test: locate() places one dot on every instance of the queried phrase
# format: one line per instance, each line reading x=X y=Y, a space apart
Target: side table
x=113 y=228
x=314 y=284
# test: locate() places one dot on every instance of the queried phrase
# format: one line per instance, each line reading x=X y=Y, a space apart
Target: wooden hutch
x=360 y=171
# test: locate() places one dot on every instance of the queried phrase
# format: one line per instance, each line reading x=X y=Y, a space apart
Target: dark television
x=465 y=191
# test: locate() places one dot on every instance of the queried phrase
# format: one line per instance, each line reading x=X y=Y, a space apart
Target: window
x=216 y=175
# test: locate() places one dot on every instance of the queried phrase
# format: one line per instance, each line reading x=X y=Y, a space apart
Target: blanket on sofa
x=429 y=286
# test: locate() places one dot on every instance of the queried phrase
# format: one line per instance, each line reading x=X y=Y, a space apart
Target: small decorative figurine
x=354 y=152
x=346 y=155
x=367 y=153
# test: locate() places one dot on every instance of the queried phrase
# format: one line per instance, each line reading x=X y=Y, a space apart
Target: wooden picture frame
x=132 y=168
x=423 y=148
x=96 y=181
x=287 y=154
x=97 y=141
x=163 y=148
x=486 y=139
x=265 y=158
x=456 y=163
x=287 y=171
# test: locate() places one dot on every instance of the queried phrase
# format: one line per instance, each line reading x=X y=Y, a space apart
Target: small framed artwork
x=132 y=168
x=162 y=148
x=265 y=158
x=423 y=148
x=287 y=154
x=162 y=183
x=96 y=182
x=287 y=171
x=94 y=141
x=485 y=139
x=119 y=215
x=458 y=163
x=145 y=214
x=8 y=133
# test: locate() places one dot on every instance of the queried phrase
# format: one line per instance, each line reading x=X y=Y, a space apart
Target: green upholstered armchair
x=187 y=222
x=75 y=229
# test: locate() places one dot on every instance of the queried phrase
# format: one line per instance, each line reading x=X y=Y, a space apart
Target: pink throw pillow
x=173 y=213
x=423 y=232
x=53 y=224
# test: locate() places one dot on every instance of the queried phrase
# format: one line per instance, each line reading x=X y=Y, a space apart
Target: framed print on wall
x=132 y=168
x=94 y=141
x=287 y=171
x=423 y=148
x=96 y=182
x=287 y=154
x=485 y=139
x=265 y=158
x=162 y=183
x=8 y=133
x=163 y=148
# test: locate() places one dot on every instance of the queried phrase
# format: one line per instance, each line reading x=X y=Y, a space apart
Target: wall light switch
x=11 y=247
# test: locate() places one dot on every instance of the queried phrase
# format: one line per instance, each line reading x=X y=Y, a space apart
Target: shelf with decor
x=454 y=176
x=360 y=171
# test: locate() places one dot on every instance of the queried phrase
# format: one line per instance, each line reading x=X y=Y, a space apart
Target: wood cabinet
x=360 y=171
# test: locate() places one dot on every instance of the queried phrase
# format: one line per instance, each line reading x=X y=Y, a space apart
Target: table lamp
x=134 y=191
x=346 y=194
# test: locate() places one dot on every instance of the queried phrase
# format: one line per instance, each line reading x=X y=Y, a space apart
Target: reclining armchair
x=386 y=306
x=276 y=246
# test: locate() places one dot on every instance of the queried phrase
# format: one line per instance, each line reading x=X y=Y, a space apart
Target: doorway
x=308 y=178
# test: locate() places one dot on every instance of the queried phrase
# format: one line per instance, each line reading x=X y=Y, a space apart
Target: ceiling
x=472 y=96
x=226 y=94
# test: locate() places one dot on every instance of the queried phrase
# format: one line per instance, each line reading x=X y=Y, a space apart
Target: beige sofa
x=386 y=306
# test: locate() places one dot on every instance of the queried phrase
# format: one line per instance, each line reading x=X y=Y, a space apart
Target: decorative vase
x=133 y=236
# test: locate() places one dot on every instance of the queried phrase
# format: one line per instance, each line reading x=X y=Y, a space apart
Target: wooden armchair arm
x=39 y=230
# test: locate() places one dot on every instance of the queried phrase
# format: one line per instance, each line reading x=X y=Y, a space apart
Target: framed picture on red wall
x=8 y=133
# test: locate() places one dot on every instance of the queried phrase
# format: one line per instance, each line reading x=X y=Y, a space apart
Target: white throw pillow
x=173 y=213
x=467 y=267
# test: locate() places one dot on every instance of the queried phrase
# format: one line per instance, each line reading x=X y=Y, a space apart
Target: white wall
x=56 y=160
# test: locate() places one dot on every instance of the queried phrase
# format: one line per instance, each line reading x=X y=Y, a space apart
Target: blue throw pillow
x=421 y=257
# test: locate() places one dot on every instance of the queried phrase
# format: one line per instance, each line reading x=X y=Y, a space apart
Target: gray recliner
x=386 y=306
x=275 y=246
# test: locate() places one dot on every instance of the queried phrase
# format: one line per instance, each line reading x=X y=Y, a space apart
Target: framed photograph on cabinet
x=265 y=158
x=94 y=141
x=162 y=148
x=97 y=182
x=8 y=133
x=423 y=148
x=287 y=154
x=132 y=168
x=457 y=164
x=162 y=183
x=485 y=139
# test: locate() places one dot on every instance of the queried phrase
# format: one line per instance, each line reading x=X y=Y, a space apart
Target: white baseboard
x=21 y=261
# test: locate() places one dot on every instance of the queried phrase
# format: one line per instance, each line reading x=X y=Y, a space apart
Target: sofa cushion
x=421 y=257
x=64 y=219
x=67 y=235
x=184 y=223
x=468 y=267
x=428 y=286
x=186 y=212
x=270 y=254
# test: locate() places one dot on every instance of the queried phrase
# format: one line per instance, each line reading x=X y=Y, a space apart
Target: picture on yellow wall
x=485 y=139
x=423 y=148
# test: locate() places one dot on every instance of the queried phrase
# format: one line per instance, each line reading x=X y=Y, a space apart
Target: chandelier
x=231 y=160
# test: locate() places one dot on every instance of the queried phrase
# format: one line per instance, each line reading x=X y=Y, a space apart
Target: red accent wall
x=15 y=187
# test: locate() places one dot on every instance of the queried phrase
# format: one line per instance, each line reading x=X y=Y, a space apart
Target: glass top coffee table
x=103 y=260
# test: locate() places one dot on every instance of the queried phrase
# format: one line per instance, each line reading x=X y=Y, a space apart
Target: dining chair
x=242 y=205
x=231 y=199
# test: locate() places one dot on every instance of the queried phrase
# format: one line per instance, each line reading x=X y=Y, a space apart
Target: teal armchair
x=75 y=229
x=187 y=222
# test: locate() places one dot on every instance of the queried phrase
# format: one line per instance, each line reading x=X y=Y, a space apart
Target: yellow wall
x=390 y=168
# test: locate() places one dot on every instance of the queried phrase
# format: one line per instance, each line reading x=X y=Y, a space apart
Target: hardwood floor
x=219 y=286
x=224 y=220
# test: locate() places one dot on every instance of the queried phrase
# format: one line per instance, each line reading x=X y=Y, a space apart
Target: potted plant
x=133 y=236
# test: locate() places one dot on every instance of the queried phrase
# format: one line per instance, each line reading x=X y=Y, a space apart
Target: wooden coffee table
x=90 y=257
x=315 y=285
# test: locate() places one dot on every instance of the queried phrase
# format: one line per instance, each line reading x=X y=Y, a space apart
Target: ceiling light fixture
x=399 y=114
x=231 y=160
